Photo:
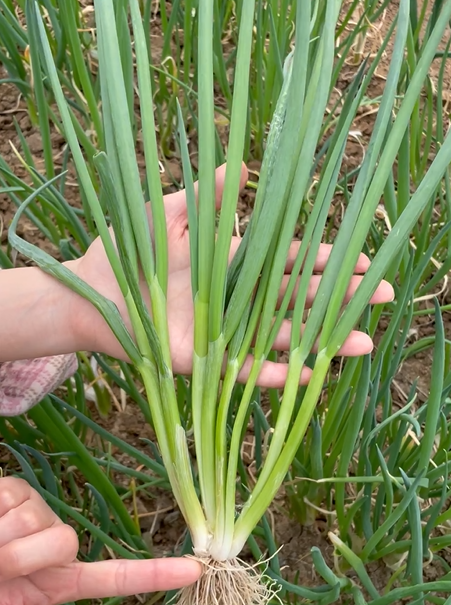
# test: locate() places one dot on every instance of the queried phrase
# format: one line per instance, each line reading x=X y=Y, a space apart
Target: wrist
x=73 y=309
x=35 y=310
x=85 y=325
x=60 y=304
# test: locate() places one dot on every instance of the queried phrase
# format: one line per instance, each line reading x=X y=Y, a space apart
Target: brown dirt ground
x=161 y=522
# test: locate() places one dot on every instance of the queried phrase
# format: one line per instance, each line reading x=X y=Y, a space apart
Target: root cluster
x=232 y=582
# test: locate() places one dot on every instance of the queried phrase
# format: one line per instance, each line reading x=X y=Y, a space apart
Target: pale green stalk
x=190 y=203
x=223 y=522
x=113 y=161
x=157 y=296
x=272 y=153
x=175 y=458
x=122 y=129
x=259 y=502
x=207 y=209
x=235 y=358
x=233 y=173
x=211 y=380
x=150 y=148
x=217 y=344
x=297 y=118
x=125 y=219
x=206 y=245
x=225 y=548
x=316 y=98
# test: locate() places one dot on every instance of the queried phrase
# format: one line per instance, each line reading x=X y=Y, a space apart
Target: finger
x=31 y=517
x=220 y=175
x=28 y=555
x=363 y=262
x=357 y=343
x=273 y=375
x=123 y=578
x=13 y=493
x=383 y=294
x=176 y=202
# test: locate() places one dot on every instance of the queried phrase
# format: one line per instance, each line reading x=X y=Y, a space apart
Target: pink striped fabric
x=23 y=384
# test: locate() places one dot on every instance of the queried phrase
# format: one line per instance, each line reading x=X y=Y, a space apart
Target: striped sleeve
x=23 y=384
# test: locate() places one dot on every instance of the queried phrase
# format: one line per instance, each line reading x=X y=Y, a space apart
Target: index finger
x=219 y=183
x=120 y=578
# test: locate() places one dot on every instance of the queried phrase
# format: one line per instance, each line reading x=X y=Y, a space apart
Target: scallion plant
x=236 y=307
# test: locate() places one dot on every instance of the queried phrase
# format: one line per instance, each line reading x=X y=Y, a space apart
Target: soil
x=162 y=525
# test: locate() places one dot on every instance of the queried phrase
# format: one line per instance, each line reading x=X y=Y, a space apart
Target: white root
x=232 y=582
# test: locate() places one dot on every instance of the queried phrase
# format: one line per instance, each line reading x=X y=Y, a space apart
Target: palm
x=181 y=311
x=95 y=269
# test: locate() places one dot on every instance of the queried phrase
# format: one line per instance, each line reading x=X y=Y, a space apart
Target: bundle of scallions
x=236 y=306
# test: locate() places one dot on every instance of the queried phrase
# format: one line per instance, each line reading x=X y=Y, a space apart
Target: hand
x=94 y=268
x=38 y=564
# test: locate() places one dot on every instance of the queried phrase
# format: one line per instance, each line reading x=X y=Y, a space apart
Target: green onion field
x=334 y=482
